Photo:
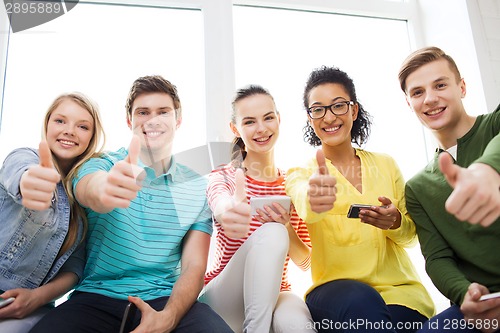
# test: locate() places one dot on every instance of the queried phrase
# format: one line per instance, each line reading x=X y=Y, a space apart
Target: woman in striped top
x=253 y=251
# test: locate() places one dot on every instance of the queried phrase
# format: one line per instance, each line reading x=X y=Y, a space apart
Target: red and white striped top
x=221 y=181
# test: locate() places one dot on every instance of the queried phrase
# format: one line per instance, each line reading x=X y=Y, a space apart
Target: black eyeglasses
x=338 y=109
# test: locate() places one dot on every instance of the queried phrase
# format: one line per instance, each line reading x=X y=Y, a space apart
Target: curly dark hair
x=361 y=126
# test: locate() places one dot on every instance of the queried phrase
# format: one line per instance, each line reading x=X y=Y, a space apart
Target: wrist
x=168 y=319
x=93 y=190
x=39 y=297
x=485 y=169
x=397 y=223
x=223 y=205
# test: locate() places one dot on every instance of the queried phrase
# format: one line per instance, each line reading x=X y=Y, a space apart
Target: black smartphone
x=354 y=210
x=128 y=318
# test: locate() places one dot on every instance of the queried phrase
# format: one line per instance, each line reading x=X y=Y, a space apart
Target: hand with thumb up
x=233 y=212
x=122 y=182
x=322 y=190
x=39 y=182
x=476 y=191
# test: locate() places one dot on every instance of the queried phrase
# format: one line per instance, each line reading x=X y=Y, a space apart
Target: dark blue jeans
x=352 y=306
x=452 y=320
x=93 y=313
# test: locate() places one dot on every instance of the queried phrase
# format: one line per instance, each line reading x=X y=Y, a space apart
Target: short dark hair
x=152 y=84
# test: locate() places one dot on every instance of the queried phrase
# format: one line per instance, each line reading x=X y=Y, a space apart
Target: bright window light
x=99 y=50
x=279 y=48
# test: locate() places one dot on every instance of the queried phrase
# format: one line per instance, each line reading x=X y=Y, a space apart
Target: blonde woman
x=42 y=254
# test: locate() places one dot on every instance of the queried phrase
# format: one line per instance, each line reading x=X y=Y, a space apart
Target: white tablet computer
x=260 y=202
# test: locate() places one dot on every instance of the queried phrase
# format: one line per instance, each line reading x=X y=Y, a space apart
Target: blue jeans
x=88 y=312
x=352 y=306
x=450 y=320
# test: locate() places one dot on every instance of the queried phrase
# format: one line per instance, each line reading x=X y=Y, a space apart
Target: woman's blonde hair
x=94 y=148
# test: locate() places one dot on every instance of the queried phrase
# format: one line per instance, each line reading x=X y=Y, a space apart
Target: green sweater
x=457 y=253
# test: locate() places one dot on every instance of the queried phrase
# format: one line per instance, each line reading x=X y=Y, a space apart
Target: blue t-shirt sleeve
x=103 y=163
x=204 y=222
x=197 y=185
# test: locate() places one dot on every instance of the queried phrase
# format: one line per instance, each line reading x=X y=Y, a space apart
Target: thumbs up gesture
x=39 y=182
x=476 y=195
x=233 y=213
x=322 y=190
x=123 y=180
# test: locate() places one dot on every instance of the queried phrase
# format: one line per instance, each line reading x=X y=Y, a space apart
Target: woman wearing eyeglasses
x=363 y=279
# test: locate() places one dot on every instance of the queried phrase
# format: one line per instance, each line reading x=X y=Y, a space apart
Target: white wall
x=486 y=26
x=468 y=30
x=446 y=24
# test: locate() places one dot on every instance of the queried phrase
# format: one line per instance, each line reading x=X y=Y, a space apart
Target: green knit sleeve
x=491 y=154
x=440 y=262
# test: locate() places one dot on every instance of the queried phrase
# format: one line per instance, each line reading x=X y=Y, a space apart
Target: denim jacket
x=29 y=239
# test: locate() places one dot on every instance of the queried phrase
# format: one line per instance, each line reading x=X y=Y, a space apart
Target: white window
x=278 y=49
x=99 y=50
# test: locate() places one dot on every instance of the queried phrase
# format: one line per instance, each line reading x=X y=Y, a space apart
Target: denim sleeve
x=76 y=262
x=14 y=166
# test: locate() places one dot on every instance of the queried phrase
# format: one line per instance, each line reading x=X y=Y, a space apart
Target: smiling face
x=154 y=120
x=257 y=123
x=332 y=130
x=69 y=131
x=435 y=94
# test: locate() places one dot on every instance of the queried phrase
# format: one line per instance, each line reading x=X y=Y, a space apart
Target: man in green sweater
x=455 y=199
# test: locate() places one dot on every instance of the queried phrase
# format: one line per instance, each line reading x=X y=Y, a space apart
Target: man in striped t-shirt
x=144 y=213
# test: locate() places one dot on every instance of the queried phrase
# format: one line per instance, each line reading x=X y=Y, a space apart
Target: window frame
x=219 y=47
